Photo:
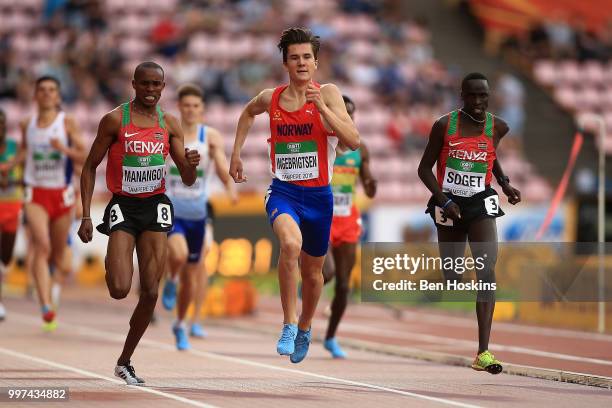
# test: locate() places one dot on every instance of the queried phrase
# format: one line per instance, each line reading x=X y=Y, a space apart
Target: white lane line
x=89 y=331
x=86 y=373
x=357 y=328
x=409 y=316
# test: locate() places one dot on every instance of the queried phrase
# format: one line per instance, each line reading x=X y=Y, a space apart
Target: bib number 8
x=492 y=205
x=164 y=215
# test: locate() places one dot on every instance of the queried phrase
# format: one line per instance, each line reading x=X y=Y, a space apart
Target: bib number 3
x=442 y=219
x=164 y=215
x=492 y=205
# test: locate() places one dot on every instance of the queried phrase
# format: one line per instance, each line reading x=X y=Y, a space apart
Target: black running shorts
x=482 y=205
x=135 y=215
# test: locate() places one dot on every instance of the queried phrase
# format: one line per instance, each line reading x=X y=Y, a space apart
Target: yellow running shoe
x=486 y=361
x=50 y=326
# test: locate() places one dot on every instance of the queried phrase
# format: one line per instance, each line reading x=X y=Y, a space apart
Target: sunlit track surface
x=236 y=368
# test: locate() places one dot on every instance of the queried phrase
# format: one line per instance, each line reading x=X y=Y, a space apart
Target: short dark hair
x=298 y=35
x=470 y=76
x=190 y=90
x=48 y=78
x=148 y=65
x=349 y=101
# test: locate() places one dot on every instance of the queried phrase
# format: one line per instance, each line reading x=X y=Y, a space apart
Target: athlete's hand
x=369 y=186
x=235 y=170
x=313 y=94
x=193 y=157
x=452 y=211
x=55 y=143
x=514 y=196
x=86 y=230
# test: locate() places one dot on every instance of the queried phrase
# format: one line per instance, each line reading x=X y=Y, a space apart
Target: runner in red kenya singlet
x=463 y=203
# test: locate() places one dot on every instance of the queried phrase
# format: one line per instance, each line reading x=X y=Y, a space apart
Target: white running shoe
x=127 y=373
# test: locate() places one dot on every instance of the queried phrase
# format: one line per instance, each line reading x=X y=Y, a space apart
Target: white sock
x=179 y=323
x=56 y=290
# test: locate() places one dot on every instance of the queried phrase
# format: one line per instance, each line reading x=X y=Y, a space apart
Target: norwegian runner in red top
x=138 y=136
x=463 y=203
x=306 y=122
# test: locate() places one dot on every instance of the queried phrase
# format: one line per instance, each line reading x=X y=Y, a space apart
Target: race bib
x=142 y=174
x=464 y=178
x=492 y=204
x=164 y=215
x=343 y=202
x=296 y=161
x=441 y=219
x=115 y=216
x=68 y=196
x=48 y=165
x=176 y=187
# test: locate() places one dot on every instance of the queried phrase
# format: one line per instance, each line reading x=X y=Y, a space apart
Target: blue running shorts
x=312 y=208
x=193 y=231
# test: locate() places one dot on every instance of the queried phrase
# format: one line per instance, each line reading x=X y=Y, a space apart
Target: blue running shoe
x=169 y=295
x=334 y=348
x=198 y=331
x=182 y=342
x=302 y=342
x=286 y=343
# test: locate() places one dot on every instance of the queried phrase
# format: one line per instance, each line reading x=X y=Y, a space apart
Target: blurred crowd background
x=379 y=52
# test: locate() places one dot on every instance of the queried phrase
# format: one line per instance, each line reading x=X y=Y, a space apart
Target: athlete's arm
x=430 y=156
x=514 y=195
x=76 y=150
x=19 y=157
x=329 y=102
x=257 y=106
x=107 y=131
x=217 y=154
x=186 y=160
x=367 y=180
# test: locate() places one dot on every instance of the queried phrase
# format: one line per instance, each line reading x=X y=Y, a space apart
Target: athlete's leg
x=176 y=260
x=312 y=284
x=482 y=235
x=201 y=283
x=452 y=244
x=290 y=238
x=60 y=255
x=7 y=243
x=119 y=263
x=151 y=248
x=40 y=247
x=177 y=254
x=329 y=266
x=344 y=258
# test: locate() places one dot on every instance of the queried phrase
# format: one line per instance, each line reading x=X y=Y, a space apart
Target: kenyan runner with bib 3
x=464 y=205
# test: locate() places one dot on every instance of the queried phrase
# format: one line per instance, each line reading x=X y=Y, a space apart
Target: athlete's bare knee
x=290 y=248
x=42 y=247
x=117 y=291
x=342 y=286
x=149 y=295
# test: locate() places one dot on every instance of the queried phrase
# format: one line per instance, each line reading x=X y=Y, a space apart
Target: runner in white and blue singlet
x=186 y=239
